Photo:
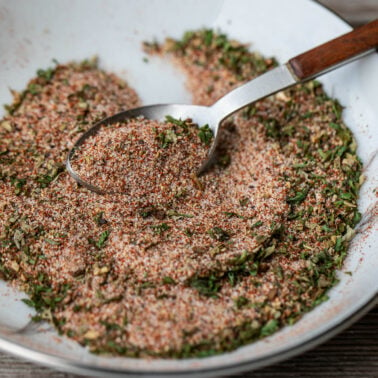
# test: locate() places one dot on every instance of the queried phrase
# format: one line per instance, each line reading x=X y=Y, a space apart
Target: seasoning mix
x=124 y=157
x=174 y=265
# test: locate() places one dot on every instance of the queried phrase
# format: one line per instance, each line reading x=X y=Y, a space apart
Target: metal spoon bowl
x=199 y=115
x=301 y=68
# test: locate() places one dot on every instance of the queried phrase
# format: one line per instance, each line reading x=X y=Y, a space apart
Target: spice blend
x=124 y=157
x=205 y=264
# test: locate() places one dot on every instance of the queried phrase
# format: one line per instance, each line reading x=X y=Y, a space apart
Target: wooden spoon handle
x=319 y=59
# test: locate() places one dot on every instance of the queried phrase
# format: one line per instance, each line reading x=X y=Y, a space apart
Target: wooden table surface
x=351 y=354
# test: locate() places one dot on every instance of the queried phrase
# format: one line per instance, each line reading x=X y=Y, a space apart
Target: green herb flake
x=269 y=328
x=243 y=201
x=168 y=280
x=254 y=269
x=160 y=228
x=175 y=214
x=146 y=212
x=205 y=134
x=29 y=302
x=18 y=184
x=232 y=278
x=45 y=180
x=241 y=302
x=178 y=122
x=166 y=138
x=337 y=109
x=338 y=244
x=241 y=259
x=188 y=232
x=224 y=160
x=46 y=74
x=52 y=242
x=208 y=37
x=102 y=239
x=357 y=217
x=110 y=326
x=231 y=214
x=207 y=286
x=257 y=224
x=346 y=196
x=219 y=234
x=299 y=196
x=34 y=88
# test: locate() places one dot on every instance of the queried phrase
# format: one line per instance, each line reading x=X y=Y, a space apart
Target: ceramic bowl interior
x=32 y=33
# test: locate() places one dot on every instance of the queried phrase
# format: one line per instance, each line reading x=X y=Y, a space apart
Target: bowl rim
x=68 y=365
x=64 y=364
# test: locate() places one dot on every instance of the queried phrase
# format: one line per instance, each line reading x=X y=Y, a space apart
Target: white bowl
x=34 y=32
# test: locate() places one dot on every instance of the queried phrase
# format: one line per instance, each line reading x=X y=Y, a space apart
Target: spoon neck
x=262 y=86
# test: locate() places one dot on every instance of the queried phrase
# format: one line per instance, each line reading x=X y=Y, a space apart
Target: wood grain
x=352 y=354
x=310 y=63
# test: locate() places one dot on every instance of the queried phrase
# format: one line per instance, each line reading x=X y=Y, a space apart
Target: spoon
x=299 y=69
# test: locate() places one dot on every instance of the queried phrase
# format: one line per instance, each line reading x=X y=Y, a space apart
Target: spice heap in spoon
x=125 y=156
